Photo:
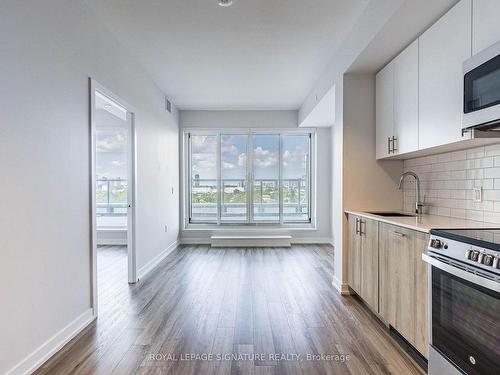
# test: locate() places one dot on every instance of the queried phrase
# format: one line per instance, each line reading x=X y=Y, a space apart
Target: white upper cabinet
x=397 y=104
x=406 y=100
x=486 y=30
x=384 y=97
x=443 y=49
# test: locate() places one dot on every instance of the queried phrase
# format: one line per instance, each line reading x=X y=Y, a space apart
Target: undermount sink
x=392 y=214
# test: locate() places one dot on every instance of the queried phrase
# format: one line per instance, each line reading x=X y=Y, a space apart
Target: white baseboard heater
x=251 y=241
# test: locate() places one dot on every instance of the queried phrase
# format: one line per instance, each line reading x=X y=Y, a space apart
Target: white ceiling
x=255 y=54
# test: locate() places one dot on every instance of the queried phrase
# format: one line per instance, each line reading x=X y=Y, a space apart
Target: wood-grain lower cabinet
x=369 y=262
x=354 y=260
x=363 y=259
x=403 y=282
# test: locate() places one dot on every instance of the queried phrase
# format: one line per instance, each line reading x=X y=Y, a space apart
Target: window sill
x=251 y=227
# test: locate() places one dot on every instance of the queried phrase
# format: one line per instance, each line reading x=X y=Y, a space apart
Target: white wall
x=49 y=49
x=238 y=119
x=360 y=182
x=269 y=120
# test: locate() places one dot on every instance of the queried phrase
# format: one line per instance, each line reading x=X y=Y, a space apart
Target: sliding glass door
x=233 y=172
x=204 y=180
x=266 y=177
x=296 y=172
x=249 y=178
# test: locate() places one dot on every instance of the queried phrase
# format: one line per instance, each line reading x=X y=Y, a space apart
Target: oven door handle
x=475 y=279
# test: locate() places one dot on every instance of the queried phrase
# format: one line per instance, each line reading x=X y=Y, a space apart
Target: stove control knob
x=474 y=255
x=436 y=244
x=488 y=260
x=496 y=262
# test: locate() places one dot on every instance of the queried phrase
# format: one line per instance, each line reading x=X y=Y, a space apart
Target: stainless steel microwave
x=481 y=105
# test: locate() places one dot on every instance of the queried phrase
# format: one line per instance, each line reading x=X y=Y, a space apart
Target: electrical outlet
x=166 y=228
x=478 y=194
x=172 y=190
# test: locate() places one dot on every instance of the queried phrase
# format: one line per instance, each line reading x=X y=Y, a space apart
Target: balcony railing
x=265 y=200
x=111 y=197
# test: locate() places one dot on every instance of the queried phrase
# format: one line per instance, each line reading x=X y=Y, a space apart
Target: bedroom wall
x=45 y=62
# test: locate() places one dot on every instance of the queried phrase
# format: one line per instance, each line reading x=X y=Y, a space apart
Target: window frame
x=187 y=179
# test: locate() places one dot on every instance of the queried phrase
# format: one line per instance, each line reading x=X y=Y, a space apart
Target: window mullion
x=219 y=182
x=250 y=213
x=309 y=179
x=190 y=178
x=280 y=182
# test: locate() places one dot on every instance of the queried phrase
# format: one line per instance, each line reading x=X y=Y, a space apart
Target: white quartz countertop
x=425 y=223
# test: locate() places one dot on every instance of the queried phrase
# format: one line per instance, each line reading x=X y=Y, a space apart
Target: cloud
x=111 y=141
x=242 y=159
x=227 y=165
x=264 y=158
x=228 y=147
x=297 y=154
x=204 y=163
x=204 y=144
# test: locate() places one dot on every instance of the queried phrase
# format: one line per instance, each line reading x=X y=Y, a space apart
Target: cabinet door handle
x=394 y=139
x=361 y=222
x=389 y=150
x=399 y=234
x=357 y=226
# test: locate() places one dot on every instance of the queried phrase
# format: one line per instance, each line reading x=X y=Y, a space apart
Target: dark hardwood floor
x=245 y=307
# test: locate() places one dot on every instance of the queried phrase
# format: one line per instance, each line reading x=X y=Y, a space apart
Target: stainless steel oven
x=481 y=104
x=464 y=293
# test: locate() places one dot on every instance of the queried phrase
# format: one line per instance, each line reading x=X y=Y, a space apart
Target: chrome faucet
x=418 y=204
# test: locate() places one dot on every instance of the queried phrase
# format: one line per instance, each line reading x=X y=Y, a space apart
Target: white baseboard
x=195 y=241
x=52 y=345
x=148 y=267
x=295 y=240
x=342 y=288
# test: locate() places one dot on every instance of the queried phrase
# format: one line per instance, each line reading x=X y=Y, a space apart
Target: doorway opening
x=113 y=194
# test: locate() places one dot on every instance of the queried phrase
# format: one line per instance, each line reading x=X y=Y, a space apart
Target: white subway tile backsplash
x=447 y=182
x=492 y=173
x=485 y=184
x=474 y=215
x=483 y=163
x=492 y=195
x=475 y=153
x=492 y=217
x=492 y=150
x=458 y=213
x=459 y=155
x=473 y=174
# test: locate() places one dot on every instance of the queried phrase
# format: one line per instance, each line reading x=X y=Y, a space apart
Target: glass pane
x=111 y=170
x=233 y=178
x=296 y=177
x=204 y=178
x=266 y=177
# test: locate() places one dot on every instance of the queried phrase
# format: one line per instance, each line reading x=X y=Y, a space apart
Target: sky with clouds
x=234 y=156
x=111 y=157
